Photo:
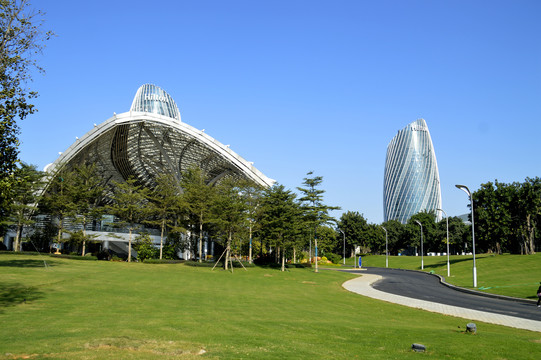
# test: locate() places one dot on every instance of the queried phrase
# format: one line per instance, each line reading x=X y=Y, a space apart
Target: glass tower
x=411 y=181
x=153 y=99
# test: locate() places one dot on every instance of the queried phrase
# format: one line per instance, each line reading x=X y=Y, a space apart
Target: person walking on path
x=539 y=296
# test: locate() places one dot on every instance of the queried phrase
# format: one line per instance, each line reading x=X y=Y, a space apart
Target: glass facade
x=153 y=99
x=411 y=181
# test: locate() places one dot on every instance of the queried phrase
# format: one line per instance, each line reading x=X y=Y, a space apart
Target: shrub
x=103 y=255
x=145 y=248
x=335 y=259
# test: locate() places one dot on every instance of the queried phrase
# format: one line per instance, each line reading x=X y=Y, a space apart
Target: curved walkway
x=362 y=285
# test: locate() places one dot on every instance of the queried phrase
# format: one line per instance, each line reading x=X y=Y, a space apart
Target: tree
x=413 y=230
x=144 y=247
x=315 y=210
x=327 y=239
x=252 y=195
x=21 y=38
x=529 y=212
x=86 y=189
x=199 y=196
x=353 y=224
x=166 y=201
x=129 y=205
x=57 y=200
x=27 y=180
x=229 y=212
x=395 y=235
x=279 y=217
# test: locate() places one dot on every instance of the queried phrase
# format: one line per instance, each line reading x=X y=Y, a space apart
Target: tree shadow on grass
x=27 y=263
x=443 y=263
x=12 y=294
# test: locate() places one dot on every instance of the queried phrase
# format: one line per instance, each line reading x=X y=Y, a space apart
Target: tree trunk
x=250 y=252
x=228 y=252
x=315 y=247
x=283 y=261
x=129 y=247
x=294 y=255
x=531 y=234
x=84 y=236
x=161 y=238
x=18 y=234
x=200 y=239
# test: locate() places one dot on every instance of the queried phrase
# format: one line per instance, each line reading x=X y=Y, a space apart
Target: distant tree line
x=267 y=225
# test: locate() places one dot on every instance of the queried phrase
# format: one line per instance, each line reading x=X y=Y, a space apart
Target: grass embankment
x=510 y=275
x=106 y=310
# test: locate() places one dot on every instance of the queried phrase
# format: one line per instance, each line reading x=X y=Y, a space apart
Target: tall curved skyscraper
x=411 y=182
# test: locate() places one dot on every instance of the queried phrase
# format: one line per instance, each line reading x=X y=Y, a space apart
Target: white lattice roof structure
x=151 y=139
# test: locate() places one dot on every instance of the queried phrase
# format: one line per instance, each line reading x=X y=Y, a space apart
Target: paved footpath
x=362 y=285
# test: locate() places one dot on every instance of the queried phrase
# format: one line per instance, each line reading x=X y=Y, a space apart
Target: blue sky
x=298 y=86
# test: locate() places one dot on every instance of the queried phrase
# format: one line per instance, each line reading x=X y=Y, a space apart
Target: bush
x=145 y=248
x=335 y=259
x=103 y=255
x=299 y=266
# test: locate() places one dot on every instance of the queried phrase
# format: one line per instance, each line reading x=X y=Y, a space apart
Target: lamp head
x=464 y=188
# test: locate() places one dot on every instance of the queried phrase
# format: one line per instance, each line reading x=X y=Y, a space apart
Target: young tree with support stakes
x=229 y=213
x=315 y=210
x=199 y=196
x=129 y=205
x=252 y=195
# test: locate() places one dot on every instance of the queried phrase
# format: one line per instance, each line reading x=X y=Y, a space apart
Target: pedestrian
x=539 y=296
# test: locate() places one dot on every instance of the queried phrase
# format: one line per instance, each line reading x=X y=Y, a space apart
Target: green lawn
x=511 y=275
x=105 y=310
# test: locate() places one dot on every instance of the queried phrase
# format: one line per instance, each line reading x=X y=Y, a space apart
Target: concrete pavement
x=362 y=285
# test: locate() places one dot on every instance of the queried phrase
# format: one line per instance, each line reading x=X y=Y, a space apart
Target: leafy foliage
x=21 y=38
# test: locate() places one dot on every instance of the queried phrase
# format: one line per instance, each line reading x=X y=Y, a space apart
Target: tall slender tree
x=315 y=210
x=199 y=196
x=229 y=212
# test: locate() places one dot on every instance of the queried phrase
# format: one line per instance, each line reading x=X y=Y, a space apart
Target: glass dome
x=153 y=99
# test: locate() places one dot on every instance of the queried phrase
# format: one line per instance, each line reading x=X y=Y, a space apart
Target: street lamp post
x=422 y=259
x=386 y=249
x=467 y=191
x=447 y=220
x=344 y=244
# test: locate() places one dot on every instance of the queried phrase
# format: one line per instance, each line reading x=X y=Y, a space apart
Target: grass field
x=510 y=275
x=105 y=310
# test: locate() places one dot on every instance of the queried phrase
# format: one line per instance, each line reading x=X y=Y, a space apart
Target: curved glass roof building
x=150 y=140
x=411 y=181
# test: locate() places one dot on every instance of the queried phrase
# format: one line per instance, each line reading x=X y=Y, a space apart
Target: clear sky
x=298 y=86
